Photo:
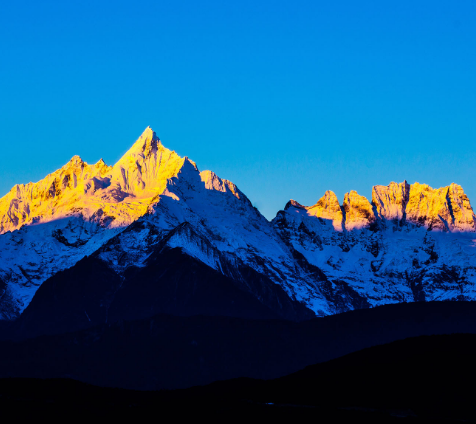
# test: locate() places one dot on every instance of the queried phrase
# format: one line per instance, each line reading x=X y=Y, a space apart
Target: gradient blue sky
x=285 y=99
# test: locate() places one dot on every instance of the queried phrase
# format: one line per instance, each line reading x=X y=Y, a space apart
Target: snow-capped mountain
x=410 y=243
x=82 y=209
x=50 y=225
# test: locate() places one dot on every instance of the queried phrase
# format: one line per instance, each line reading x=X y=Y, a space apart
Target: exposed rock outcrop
x=391 y=201
x=145 y=168
x=444 y=209
x=462 y=212
x=51 y=197
x=358 y=211
x=122 y=192
x=328 y=208
x=327 y=257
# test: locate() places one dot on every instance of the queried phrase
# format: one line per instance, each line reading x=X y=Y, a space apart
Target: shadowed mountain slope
x=409 y=243
x=421 y=379
x=177 y=352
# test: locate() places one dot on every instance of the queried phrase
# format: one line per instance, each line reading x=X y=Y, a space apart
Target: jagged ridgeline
x=121 y=226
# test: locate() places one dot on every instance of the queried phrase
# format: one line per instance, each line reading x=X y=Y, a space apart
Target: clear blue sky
x=285 y=99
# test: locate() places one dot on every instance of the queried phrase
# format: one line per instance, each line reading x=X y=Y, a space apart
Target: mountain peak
x=149 y=134
x=144 y=169
x=358 y=211
x=148 y=141
x=75 y=160
x=147 y=144
x=328 y=208
x=446 y=208
x=391 y=200
x=293 y=203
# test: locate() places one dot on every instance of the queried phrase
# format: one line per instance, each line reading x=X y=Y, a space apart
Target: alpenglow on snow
x=410 y=243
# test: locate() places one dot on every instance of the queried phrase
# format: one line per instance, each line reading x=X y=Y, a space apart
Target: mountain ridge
x=409 y=243
x=390 y=202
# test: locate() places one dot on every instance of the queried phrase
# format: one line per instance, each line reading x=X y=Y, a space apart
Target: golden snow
x=328 y=208
x=116 y=196
x=390 y=201
x=111 y=196
x=446 y=209
x=358 y=211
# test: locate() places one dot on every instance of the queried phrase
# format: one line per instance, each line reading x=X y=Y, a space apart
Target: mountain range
x=152 y=234
x=153 y=276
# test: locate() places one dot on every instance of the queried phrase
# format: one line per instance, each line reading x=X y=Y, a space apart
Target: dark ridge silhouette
x=171 y=352
x=422 y=379
x=90 y=293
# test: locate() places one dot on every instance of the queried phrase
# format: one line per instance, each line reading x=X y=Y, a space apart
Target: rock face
x=410 y=243
x=110 y=196
x=445 y=209
x=358 y=211
x=145 y=168
x=123 y=213
x=391 y=201
x=462 y=212
x=328 y=208
x=51 y=197
x=74 y=211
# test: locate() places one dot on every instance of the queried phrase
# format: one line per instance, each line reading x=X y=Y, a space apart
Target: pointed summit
x=144 y=146
x=293 y=203
x=149 y=134
x=358 y=211
x=328 y=208
x=76 y=159
x=145 y=167
x=74 y=162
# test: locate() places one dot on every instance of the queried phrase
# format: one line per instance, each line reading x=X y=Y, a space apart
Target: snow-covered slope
x=411 y=242
x=236 y=234
x=81 y=209
x=49 y=225
x=109 y=196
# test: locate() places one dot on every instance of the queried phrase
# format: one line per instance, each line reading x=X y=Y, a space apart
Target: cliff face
x=391 y=201
x=52 y=196
x=411 y=243
x=358 y=211
x=112 y=196
x=429 y=207
x=328 y=209
x=462 y=212
x=445 y=209
x=145 y=168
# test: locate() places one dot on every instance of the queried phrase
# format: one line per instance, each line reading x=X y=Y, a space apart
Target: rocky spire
x=445 y=209
x=145 y=167
x=78 y=188
x=390 y=201
x=328 y=208
x=358 y=211
x=463 y=215
x=144 y=146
